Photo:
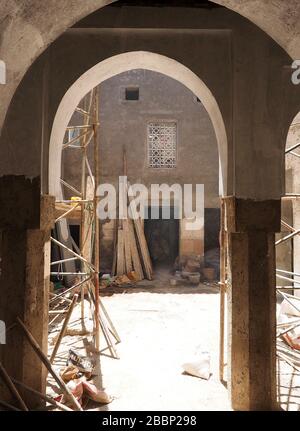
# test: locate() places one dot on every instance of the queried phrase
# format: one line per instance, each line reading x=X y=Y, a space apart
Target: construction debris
x=83 y=364
x=288 y=330
x=199 y=366
x=82 y=389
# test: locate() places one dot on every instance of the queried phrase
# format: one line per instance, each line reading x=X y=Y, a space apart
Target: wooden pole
x=82 y=218
x=113 y=329
x=97 y=226
x=13 y=390
x=64 y=327
x=222 y=290
x=48 y=365
x=43 y=397
x=9 y=406
x=105 y=331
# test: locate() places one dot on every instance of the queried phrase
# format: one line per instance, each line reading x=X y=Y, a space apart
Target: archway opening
x=158 y=123
x=288 y=273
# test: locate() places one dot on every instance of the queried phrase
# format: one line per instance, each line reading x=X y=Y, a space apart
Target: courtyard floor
x=162 y=327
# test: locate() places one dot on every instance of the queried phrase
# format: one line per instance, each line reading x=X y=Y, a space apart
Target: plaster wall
x=123 y=126
x=27 y=29
x=228 y=53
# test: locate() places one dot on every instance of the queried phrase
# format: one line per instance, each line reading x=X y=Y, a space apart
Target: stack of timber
x=131 y=254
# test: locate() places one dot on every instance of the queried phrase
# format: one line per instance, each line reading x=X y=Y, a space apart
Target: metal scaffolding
x=84 y=139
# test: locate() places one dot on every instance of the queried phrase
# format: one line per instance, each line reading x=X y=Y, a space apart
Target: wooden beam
x=48 y=365
x=64 y=327
x=13 y=390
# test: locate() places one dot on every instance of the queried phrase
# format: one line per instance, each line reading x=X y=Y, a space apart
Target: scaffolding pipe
x=292 y=148
x=63 y=260
x=97 y=227
x=286 y=238
x=222 y=292
x=66 y=213
x=72 y=252
x=65 y=292
x=287 y=279
x=70 y=187
x=288 y=272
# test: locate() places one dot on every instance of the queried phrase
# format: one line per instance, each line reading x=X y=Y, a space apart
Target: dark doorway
x=211 y=239
x=211 y=228
x=163 y=239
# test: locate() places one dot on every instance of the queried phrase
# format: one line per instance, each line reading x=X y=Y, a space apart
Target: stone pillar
x=251 y=229
x=296 y=243
x=26 y=219
x=36 y=301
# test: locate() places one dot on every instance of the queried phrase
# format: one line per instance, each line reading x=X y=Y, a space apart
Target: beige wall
x=123 y=126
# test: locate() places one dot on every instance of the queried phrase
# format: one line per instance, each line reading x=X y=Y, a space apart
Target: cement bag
x=95 y=394
x=199 y=367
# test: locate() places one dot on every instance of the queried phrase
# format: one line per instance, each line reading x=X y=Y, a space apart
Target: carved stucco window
x=162 y=144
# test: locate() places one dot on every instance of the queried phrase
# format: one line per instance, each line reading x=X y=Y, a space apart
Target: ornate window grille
x=162 y=144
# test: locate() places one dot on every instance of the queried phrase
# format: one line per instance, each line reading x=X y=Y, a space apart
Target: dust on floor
x=161 y=327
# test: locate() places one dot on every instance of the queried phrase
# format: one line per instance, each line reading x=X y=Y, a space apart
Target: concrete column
x=296 y=242
x=24 y=279
x=252 y=303
x=36 y=304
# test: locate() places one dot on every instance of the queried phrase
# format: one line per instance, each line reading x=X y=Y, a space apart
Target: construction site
x=150 y=205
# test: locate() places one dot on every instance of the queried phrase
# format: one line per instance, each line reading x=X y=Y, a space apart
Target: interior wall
x=31 y=33
x=232 y=64
x=124 y=127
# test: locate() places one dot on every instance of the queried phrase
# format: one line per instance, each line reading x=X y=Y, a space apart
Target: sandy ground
x=159 y=332
x=161 y=327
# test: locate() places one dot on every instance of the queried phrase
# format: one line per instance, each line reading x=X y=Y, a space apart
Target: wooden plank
x=87 y=223
x=120 y=253
x=222 y=292
x=114 y=264
x=86 y=237
x=134 y=252
x=95 y=99
x=127 y=248
x=143 y=248
x=141 y=239
x=112 y=327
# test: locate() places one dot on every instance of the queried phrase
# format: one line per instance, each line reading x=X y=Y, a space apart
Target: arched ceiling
x=280 y=19
x=27 y=27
